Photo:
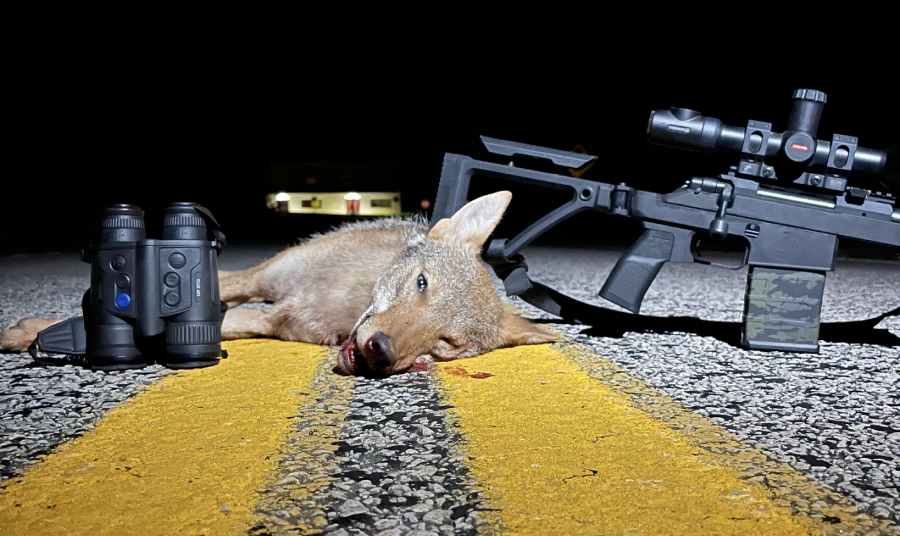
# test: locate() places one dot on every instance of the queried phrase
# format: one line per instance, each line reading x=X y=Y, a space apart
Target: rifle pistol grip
x=637 y=268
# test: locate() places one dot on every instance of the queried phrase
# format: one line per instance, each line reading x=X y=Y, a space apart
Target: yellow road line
x=307 y=462
x=170 y=459
x=559 y=452
x=802 y=494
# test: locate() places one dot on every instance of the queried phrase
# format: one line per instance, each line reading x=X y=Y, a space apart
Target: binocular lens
x=193 y=344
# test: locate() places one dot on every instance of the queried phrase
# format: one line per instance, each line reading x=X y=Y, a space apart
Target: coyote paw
x=18 y=337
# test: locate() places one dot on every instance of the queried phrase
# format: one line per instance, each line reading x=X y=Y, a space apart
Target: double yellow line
x=560 y=441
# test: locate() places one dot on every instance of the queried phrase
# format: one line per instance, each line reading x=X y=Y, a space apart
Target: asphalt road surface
x=834 y=415
x=399 y=468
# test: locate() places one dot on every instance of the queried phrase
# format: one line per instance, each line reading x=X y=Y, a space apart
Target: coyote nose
x=379 y=352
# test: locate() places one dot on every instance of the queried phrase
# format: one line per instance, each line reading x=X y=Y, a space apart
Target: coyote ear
x=515 y=331
x=474 y=223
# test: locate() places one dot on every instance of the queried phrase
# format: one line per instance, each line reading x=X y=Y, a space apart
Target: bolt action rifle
x=791 y=229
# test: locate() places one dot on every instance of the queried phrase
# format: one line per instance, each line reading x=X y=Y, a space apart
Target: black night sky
x=91 y=125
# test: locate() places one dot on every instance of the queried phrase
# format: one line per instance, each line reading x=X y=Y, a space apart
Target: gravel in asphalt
x=400 y=467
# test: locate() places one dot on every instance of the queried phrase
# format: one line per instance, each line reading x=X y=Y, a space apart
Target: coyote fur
x=392 y=292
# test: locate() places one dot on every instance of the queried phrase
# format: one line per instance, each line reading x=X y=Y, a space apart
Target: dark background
x=92 y=124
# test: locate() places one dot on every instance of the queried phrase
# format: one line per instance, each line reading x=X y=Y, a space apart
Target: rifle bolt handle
x=718 y=229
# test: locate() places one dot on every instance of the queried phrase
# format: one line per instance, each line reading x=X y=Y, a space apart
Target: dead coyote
x=393 y=291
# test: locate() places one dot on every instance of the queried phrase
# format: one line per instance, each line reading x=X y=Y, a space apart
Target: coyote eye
x=422 y=283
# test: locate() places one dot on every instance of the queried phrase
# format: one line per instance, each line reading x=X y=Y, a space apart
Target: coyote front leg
x=246 y=324
x=242 y=286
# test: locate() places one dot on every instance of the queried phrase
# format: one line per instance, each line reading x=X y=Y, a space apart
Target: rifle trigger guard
x=743 y=263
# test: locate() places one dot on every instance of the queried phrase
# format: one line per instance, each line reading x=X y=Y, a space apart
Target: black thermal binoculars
x=150 y=300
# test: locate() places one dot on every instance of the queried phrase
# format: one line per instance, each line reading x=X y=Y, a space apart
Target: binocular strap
x=67 y=337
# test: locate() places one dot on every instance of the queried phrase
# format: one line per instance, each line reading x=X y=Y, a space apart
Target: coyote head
x=436 y=301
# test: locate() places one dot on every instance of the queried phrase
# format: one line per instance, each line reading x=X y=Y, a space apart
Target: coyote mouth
x=348 y=354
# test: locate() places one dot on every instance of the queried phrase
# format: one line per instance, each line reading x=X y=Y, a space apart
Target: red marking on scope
x=799 y=147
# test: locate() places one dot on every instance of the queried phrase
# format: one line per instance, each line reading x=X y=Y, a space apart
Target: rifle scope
x=682 y=128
